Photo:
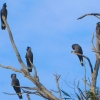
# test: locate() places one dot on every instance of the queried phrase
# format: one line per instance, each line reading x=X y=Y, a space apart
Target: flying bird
x=29 y=58
x=3 y=13
x=15 y=82
x=78 y=49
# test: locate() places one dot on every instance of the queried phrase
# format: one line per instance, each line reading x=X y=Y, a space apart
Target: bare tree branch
x=85 y=78
x=97 y=50
x=28 y=96
x=74 y=84
x=93 y=47
x=94 y=14
x=24 y=92
x=20 y=93
x=97 y=64
x=97 y=16
x=81 y=94
x=13 y=44
x=28 y=92
x=11 y=68
x=67 y=83
x=12 y=93
x=89 y=80
x=29 y=88
x=85 y=81
x=86 y=58
x=57 y=79
x=40 y=88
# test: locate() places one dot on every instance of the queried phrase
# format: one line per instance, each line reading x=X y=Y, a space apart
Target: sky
x=49 y=27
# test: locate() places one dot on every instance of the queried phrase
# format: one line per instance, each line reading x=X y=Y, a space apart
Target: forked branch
x=57 y=77
x=40 y=88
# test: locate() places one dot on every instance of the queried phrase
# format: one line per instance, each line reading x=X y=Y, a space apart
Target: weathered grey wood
x=35 y=79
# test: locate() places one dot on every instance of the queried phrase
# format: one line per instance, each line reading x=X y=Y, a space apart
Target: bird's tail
x=81 y=60
x=82 y=63
x=30 y=69
x=20 y=96
x=3 y=27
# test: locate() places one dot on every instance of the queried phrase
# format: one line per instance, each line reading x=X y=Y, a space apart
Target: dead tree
x=97 y=51
x=39 y=89
x=57 y=77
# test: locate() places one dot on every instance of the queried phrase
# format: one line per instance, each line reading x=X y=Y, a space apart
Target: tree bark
x=40 y=88
x=96 y=68
x=97 y=51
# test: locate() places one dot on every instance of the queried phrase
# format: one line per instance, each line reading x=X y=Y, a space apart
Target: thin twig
x=86 y=82
x=12 y=68
x=41 y=89
x=28 y=96
x=89 y=80
x=67 y=84
x=57 y=77
x=29 y=88
x=75 y=83
x=86 y=58
x=13 y=93
x=94 y=14
x=20 y=93
x=85 y=79
x=54 y=91
x=93 y=47
x=97 y=16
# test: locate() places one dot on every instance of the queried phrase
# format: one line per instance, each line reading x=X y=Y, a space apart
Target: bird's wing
x=1 y=13
x=17 y=82
x=6 y=13
x=32 y=57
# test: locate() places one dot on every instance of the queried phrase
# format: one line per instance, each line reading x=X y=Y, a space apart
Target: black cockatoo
x=98 y=30
x=3 y=13
x=29 y=55
x=78 y=49
x=15 y=82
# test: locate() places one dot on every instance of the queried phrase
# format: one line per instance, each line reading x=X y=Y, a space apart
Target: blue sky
x=49 y=27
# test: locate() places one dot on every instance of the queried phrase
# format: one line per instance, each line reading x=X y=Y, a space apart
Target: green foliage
x=81 y=96
x=92 y=96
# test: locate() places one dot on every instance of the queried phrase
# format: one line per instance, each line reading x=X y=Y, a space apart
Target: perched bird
x=15 y=82
x=3 y=13
x=29 y=58
x=78 y=49
x=98 y=30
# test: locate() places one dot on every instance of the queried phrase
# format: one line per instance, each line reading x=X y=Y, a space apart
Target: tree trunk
x=35 y=79
x=96 y=68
